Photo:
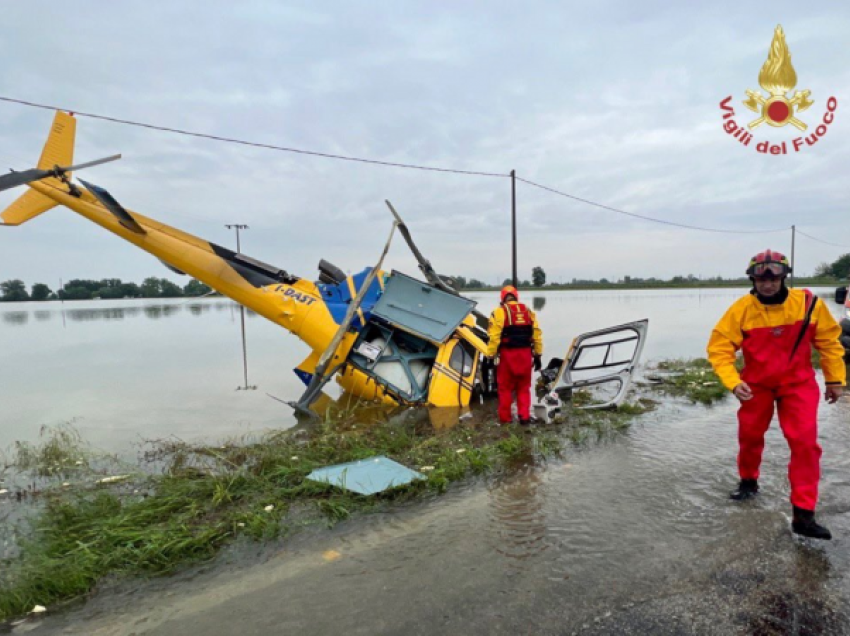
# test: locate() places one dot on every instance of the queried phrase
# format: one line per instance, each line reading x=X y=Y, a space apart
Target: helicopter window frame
x=462 y=354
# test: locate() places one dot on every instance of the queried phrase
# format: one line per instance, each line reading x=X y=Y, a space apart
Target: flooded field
x=129 y=370
x=631 y=535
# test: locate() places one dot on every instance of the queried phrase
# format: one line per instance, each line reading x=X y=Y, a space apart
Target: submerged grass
x=693 y=379
x=208 y=495
x=61 y=450
x=584 y=426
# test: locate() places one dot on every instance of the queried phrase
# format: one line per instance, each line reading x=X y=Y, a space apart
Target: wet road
x=634 y=535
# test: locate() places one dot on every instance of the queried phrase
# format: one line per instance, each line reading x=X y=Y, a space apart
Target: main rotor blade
x=408 y=238
x=15 y=179
x=424 y=264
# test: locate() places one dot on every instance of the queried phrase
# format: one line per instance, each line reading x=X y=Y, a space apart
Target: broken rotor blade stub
x=424 y=264
x=405 y=232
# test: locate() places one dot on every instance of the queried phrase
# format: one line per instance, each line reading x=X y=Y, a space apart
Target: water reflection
x=516 y=500
x=94 y=313
x=443 y=418
x=196 y=309
x=91 y=314
x=111 y=313
x=159 y=311
x=16 y=317
x=538 y=302
x=350 y=408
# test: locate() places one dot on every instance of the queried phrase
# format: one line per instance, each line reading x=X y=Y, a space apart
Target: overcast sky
x=611 y=101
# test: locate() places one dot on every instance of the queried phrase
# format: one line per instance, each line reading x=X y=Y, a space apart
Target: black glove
x=538 y=362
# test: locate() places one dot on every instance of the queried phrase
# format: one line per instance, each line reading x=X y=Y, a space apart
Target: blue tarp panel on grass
x=366 y=476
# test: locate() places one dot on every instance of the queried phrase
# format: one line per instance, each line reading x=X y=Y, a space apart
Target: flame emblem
x=777 y=77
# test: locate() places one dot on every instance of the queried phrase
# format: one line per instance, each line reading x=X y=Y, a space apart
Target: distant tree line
x=840 y=269
x=152 y=287
x=108 y=288
x=538 y=279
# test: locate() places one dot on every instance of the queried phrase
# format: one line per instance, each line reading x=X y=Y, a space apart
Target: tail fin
x=59 y=150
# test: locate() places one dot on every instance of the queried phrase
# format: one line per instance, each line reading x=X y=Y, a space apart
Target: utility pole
x=237 y=227
x=62 y=301
x=793 y=241
x=513 y=223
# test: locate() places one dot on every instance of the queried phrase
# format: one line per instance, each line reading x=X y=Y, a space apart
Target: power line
x=799 y=231
x=648 y=218
x=397 y=165
x=253 y=144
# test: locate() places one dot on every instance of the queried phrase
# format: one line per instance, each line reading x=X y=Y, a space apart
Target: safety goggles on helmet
x=764 y=270
x=769 y=264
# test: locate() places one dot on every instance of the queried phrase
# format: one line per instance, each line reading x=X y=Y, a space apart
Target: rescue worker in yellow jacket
x=776 y=327
x=517 y=339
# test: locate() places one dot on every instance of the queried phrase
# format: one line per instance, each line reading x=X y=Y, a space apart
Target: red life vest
x=518 y=330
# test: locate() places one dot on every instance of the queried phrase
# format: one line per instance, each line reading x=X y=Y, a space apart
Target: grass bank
x=203 y=497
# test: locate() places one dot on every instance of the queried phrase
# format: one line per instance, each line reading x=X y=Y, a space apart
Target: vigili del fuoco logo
x=778 y=78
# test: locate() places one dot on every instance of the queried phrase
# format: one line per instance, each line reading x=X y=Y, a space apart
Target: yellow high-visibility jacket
x=767 y=333
x=497 y=323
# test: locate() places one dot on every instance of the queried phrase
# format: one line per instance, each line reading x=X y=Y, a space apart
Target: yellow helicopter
x=386 y=336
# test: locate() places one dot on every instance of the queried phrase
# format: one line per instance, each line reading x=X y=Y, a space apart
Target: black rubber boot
x=747 y=489
x=804 y=524
x=525 y=422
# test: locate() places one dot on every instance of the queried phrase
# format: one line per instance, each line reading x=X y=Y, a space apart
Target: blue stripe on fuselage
x=305 y=377
x=338 y=297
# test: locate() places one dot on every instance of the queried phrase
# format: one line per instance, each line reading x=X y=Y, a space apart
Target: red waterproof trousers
x=514 y=376
x=797 y=405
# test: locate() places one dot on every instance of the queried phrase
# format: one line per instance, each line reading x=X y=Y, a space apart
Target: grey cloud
x=614 y=101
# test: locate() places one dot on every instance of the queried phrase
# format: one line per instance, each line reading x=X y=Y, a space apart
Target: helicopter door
x=453 y=374
x=602 y=362
x=420 y=309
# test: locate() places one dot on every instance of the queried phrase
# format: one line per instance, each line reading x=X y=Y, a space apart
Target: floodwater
x=634 y=535
x=128 y=370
